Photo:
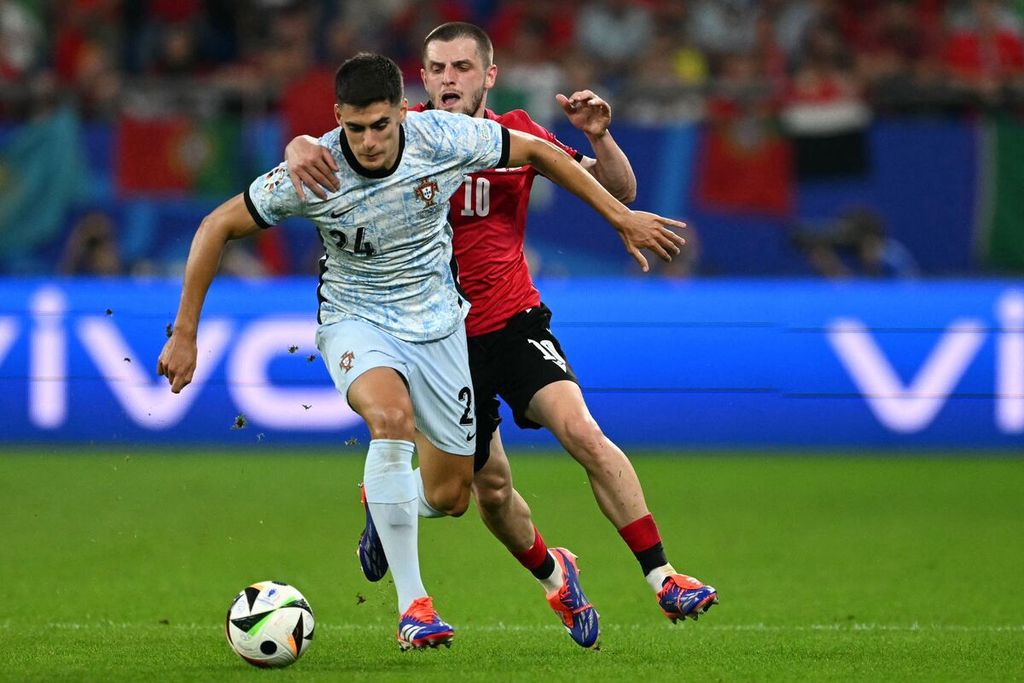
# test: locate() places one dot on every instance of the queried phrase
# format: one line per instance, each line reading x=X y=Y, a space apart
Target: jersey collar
x=350 y=157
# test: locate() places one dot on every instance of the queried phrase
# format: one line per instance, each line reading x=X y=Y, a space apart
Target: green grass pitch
x=120 y=567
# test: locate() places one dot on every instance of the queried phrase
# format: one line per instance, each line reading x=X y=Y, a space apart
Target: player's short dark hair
x=368 y=78
x=460 y=29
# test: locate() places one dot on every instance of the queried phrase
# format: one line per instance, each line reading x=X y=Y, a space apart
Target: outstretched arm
x=638 y=229
x=592 y=115
x=228 y=221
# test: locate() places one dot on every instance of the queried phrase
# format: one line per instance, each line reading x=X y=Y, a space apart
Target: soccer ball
x=269 y=624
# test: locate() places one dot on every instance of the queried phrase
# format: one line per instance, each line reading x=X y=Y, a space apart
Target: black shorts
x=514 y=363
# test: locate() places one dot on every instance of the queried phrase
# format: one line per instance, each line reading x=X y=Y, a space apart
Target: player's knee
x=450 y=494
x=389 y=422
x=459 y=507
x=584 y=437
x=451 y=500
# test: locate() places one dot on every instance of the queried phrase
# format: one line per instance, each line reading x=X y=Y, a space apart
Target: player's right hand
x=177 y=362
x=311 y=164
x=643 y=230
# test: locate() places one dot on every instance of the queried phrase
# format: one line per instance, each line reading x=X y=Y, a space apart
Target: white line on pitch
x=487 y=628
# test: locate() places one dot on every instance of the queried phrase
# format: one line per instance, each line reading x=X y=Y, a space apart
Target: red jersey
x=488 y=216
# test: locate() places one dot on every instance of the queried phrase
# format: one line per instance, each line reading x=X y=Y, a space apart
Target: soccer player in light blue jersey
x=390 y=315
x=513 y=353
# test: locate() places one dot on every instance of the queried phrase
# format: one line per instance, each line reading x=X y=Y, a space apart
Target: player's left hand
x=643 y=230
x=586 y=111
x=312 y=165
x=177 y=361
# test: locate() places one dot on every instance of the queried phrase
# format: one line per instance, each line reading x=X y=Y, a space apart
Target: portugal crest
x=427 y=192
x=347 y=359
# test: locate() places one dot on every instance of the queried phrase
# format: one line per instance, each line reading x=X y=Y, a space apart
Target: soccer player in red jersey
x=513 y=353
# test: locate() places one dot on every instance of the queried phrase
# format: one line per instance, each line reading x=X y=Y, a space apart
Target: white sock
x=390 y=487
x=553 y=582
x=425 y=509
x=657 y=576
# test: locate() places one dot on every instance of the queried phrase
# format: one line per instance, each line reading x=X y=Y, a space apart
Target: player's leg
x=505 y=512
x=542 y=390
x=502 y=509
x=444 y=480
x=380 y=397
x=560 y=408
x=391 y=491
x=368 y=368
x=446 y=425
x=442 y=400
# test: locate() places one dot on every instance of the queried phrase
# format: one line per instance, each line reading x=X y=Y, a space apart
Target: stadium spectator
x=613 y=32
x=769 y=55
x=92 y=247
x=689 y=63
x=554 y=20
x=85 y=55
x=530 y=75
x=304 y=85
x=791 y=19
x=824 y=110
x=856 y=244
x=665 y=83
x=984 y=52
x=415 y=20
x=21 y=41
x=897 y=57
x=723 y=27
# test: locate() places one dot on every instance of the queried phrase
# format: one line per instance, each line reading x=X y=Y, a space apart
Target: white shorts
x=437 y=374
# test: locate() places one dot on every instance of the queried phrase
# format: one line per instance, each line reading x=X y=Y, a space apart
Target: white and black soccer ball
x=269 y=624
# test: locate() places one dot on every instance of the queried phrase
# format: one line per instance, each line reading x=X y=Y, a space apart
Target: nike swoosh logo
x=339 y=214
x=470 y=437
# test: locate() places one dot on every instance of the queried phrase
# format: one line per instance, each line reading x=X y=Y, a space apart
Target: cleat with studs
x=570 y=604
x=421 y=627
x=684 y=596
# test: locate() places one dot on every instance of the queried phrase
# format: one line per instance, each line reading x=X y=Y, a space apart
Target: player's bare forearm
x=203 y=260
x=593 y=116
x=561 y=169
x=638 y=229
x=230 y=220
x=612 y=168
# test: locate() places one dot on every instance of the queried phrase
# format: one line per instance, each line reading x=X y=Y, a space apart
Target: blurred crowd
x=750 y=71
x=656 y=60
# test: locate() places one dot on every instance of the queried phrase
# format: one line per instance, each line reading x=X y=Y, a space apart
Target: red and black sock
x=536 y=558
x=643 y=539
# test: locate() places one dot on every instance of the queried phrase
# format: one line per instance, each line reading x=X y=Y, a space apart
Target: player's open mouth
x=450 y=98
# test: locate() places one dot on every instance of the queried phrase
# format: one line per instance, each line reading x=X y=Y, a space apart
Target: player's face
x=455 y=77
x=372 y=131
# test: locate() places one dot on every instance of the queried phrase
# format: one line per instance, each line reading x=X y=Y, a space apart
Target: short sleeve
x=271 y=198
x=477 y=144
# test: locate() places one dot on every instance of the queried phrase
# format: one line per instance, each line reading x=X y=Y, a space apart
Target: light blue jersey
x=387 y=241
